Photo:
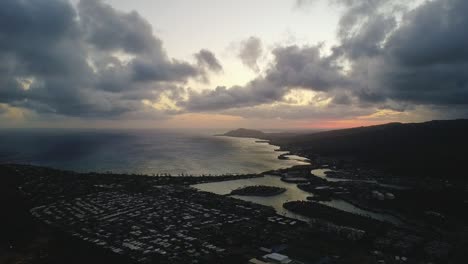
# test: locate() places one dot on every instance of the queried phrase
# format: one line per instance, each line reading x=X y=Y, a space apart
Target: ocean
x=140 y=151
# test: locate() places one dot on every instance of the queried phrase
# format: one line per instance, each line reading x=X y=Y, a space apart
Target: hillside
x=434 y=148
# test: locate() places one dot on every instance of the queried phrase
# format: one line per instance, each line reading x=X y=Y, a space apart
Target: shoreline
x=229 y=175
x=403 y=220
x=283 y=156
x=186 y=179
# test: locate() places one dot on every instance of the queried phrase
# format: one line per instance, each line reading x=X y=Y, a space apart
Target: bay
x=140 y=151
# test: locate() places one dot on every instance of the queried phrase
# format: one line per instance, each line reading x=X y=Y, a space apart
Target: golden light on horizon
x=202 y=120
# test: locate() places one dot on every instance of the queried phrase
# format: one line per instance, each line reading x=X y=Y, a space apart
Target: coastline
x=143 y=152
x=279 y=148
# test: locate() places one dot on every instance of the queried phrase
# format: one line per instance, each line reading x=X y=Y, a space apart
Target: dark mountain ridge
x=436 y=148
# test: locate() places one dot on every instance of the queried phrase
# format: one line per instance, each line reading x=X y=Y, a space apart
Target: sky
x=290 y=64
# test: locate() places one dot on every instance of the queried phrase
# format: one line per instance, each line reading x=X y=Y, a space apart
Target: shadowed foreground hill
x=435 y=148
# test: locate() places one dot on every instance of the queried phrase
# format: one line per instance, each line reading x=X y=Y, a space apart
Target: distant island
x=258 y=190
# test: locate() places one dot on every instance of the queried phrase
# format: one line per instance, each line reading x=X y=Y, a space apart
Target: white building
x=277 y=258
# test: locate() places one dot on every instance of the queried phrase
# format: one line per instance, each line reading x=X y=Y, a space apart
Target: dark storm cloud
x=108 y=29
x=435 y=33
x=369 y=39
x=424 y=61
x=152 y=70
x=250 y=51
x=34 y=32
x=59 y=61
x=305 y=67
x=206 y=59
x=396 y=58
x=256 y=92
x=40 y=40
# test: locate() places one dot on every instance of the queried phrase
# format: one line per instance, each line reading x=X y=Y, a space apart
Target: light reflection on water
x=292 y=193
x=140 y=151
x=322 y=174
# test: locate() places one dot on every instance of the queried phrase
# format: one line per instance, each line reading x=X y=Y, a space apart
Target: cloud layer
x=389 y=57
x=91 y=62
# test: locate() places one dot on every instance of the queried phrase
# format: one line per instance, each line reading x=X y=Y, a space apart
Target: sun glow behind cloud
x=327 y=65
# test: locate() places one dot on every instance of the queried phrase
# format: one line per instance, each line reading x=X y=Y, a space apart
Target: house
x=277 y=258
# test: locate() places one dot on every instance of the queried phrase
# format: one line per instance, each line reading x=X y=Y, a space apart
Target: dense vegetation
x=258 y=190
x=327 y=213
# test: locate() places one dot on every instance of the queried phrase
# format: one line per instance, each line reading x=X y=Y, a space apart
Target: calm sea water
x=139 y=151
